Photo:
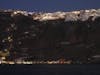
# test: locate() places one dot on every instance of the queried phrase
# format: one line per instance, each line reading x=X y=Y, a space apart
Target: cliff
x=50 y=35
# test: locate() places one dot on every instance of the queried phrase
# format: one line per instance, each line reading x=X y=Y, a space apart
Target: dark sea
x=50 y=69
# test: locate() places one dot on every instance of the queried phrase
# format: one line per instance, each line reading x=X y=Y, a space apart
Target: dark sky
x=49 y=5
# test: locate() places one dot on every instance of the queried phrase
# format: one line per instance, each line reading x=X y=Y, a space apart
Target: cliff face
x=58 y=34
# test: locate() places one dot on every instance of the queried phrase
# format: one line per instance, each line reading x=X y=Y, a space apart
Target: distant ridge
x=67 y=16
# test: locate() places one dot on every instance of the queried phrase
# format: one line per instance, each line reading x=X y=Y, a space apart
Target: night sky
x=49 y=5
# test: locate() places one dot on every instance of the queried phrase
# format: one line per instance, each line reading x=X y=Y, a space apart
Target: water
x=50 y=69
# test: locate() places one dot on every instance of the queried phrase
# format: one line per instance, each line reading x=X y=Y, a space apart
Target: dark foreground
x=50 y=69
